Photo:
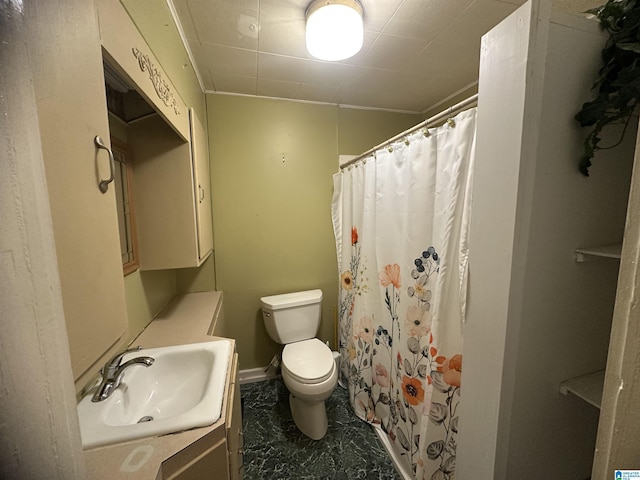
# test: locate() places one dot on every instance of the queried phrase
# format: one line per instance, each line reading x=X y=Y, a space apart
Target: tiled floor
x=274 y=448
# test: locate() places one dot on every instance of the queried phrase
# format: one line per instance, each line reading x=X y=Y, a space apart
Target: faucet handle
x=114 y=362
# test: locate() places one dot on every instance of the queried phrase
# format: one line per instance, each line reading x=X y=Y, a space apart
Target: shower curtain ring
x=451 y=122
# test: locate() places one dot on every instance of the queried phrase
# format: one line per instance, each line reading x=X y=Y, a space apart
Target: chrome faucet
x=113 y=371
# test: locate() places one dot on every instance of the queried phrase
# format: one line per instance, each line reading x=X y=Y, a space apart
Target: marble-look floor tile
x=274 y=449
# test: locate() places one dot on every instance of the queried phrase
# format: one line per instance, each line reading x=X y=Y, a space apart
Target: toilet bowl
x=310 y=374
x=308 y=366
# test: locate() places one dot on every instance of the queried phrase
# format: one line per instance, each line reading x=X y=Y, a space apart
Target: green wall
x=272 y=163
x=147 y=293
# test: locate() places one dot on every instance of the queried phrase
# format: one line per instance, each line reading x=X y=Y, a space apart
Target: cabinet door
x=165 y=197
x=202 y=184
x=66 y=61
x=173 y=200
x=209 y=465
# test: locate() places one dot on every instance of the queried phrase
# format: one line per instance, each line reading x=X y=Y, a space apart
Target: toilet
x=308 y=367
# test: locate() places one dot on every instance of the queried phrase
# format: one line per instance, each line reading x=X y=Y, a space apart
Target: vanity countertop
x=187 y=319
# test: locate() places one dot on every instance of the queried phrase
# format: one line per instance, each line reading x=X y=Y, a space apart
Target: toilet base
x=309 y=417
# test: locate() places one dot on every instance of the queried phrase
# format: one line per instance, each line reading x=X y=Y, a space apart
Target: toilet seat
x=308 y=361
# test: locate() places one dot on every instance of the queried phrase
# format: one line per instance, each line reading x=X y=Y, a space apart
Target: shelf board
x=587 y=387
x=606 y=251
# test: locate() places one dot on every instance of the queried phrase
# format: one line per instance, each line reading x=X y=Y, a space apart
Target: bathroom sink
x=182 y=389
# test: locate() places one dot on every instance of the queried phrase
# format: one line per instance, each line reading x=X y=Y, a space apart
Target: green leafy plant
x=619 y=82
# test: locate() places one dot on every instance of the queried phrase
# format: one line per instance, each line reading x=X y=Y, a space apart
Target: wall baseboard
x=259 y=374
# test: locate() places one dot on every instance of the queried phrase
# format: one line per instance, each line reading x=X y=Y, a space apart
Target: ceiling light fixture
x=334 y=29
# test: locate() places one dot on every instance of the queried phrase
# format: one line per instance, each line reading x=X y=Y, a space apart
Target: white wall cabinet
x=170 y=154
x=69 y=85
x=66 y=60
x=172 y=195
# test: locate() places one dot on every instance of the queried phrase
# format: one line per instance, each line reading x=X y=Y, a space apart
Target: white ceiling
x=416 y=53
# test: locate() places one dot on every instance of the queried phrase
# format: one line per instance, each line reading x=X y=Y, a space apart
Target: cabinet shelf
x=606 y=251
x=587 y=387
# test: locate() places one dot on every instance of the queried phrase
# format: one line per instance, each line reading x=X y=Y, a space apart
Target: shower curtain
x=401 y=223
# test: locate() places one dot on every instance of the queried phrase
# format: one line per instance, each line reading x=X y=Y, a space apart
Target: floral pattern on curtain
x=401 y=224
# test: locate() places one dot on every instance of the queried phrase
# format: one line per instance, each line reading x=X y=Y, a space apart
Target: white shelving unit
x=587 y=387
x=606 y=251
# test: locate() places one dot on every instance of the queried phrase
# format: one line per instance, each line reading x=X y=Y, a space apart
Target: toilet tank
x=292 y=317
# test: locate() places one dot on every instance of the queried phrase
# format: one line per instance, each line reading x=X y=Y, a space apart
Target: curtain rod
x=458 y=107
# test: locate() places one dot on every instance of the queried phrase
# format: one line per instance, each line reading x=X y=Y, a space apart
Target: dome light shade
x=334 y=29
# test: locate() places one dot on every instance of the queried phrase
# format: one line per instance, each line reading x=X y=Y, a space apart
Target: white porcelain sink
x=182 y=389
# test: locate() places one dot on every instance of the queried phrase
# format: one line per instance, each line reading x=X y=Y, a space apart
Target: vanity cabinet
x=66 y=62
x=206 y=466
x=235 y=438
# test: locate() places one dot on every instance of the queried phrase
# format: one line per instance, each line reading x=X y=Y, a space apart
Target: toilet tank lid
x=289 y=300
